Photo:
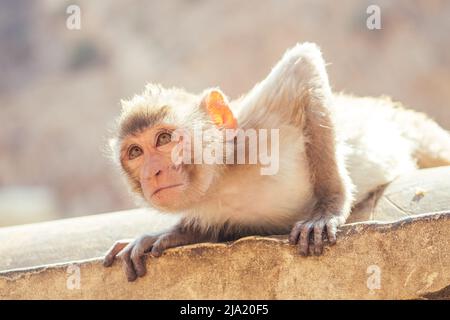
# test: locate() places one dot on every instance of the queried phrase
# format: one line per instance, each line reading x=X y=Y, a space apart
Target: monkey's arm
x=297 y=89
x=132 y=252
x=330 y=180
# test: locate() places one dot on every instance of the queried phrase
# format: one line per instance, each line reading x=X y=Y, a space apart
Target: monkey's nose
x=157 y=173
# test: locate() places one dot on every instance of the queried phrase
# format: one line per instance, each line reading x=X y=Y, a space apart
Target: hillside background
x=60 y=89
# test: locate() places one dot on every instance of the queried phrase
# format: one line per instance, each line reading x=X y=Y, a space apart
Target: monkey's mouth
x=165 y=188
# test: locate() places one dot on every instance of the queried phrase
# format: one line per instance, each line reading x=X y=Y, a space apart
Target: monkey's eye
x=163 y=138
x=134 y=152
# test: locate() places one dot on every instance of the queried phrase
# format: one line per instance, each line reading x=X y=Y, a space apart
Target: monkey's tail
x=431 y=142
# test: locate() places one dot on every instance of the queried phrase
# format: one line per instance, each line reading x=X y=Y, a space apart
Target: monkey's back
x=372 y=141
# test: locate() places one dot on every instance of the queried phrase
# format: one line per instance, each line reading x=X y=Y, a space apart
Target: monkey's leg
x=297 y=89
x=132 y=253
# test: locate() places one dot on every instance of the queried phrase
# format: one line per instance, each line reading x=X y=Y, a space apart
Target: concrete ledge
x=410 y=256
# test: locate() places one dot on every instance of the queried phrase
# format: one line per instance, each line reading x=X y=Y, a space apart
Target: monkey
x=334 y=149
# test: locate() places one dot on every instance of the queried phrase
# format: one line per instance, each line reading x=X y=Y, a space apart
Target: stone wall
x=406 y=259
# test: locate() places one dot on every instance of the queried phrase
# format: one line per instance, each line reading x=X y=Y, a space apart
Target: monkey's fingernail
x=131 y=275
x=157 y=254
x=107 y=262
x=141 y=271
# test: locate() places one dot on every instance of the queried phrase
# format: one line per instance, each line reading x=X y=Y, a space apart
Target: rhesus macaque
x=333 y=150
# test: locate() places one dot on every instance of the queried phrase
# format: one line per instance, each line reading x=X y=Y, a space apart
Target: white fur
x=370 y=146
x=246 y=197
x=373 y=145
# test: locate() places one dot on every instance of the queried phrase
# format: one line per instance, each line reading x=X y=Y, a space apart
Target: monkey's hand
x=309 y=235
x=132 y=253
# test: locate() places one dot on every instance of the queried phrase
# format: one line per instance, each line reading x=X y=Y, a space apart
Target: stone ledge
x=411 y=254
x=65 y=240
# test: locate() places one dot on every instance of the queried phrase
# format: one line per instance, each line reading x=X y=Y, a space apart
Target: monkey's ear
x=215 y=104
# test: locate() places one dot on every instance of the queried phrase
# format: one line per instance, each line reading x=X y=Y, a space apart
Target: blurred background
x=60 y=89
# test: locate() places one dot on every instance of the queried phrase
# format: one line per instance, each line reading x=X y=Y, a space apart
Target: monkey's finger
x=158 y=248
x=295 y=232
x=113 y=251
x=138 y=254
x=331 y=231
x=137 y=257
x=139 y=265
x=318 y=237
x=127 y=264
x=305 y=238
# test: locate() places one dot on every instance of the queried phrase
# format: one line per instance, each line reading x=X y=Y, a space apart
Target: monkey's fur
x=334 y=150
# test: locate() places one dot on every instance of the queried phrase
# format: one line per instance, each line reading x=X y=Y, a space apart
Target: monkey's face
x=146 y=128
x=146 y=157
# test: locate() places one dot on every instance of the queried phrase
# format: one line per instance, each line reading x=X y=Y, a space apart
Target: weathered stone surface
x=419 y=192
x=412 y=256
x=75 y=239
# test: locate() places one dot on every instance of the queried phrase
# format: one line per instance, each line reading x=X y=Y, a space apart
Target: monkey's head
x=144 y=144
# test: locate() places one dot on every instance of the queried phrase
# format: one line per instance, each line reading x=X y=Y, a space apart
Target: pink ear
x=217 y=107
